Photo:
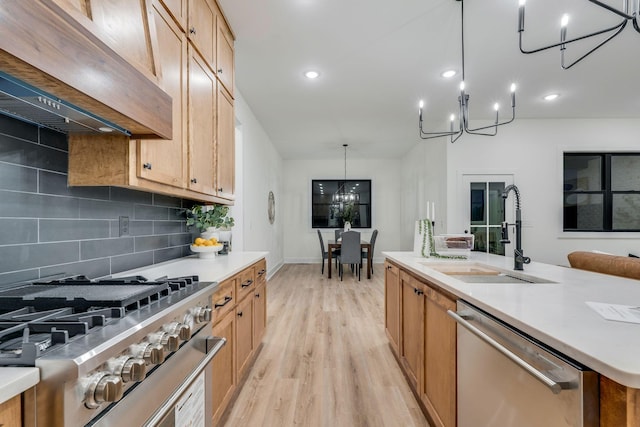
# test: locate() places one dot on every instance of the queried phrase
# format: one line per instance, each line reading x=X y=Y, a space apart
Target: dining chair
x=372 y=243
x=350 y=252
x=325 y=254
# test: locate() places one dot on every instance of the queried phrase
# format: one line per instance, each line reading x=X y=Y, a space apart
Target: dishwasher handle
x=554 y=386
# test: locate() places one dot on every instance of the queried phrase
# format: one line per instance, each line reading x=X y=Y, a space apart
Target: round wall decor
x=272 y=207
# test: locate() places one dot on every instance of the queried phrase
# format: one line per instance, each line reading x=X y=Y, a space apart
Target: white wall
x=301 y=241
x=532 y=150
x=424 y=171
x=261 y=171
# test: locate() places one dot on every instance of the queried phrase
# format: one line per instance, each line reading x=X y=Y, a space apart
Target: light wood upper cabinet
x=165 y=161
x=225 y=146
x=202 y=124
x=202 y=29
x=198 y=161
x=225 y=55
x=178 y=10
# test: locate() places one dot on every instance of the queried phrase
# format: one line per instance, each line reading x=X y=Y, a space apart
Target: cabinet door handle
x=247 y=283
x=194 y=180
x=219 y=70
x=239 y=314
x=192 y=30
x=257 y=295
x=220 y=189
x=227 y=300
x=261 y=272
x=147 y=166
x=389 y=267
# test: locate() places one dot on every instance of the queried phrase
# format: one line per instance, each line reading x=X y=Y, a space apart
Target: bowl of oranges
x=206 y=248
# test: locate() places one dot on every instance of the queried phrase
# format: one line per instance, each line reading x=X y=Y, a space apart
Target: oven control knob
x=170 y=342
x=201 y=314
x=153 y=354
x=182 y=330
x=103 y=387
x=134 y=370
x=130 y=369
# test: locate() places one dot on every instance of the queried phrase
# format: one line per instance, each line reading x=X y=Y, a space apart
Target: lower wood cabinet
x=11 y=412
x=392 y=304
x=244 y=334
x=224 y=371
x=240 y=316
x=423 y=338
x=439 y=374
x=412 y=327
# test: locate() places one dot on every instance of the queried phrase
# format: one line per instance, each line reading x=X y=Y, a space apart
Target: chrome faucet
x=518 y=256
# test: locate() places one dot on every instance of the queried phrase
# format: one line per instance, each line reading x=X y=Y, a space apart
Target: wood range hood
x=44 y=48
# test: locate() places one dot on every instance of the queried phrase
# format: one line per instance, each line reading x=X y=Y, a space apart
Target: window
x=334 y=201
x=601 y=192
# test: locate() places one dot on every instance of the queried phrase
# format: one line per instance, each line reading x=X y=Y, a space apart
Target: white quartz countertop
x=554 y=313
x=207 y=269
x=16 y=380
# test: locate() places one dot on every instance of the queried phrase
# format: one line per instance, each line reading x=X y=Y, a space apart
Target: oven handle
x=213 y=345
x=540 y=376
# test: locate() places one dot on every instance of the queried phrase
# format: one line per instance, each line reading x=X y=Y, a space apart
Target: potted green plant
x=348 y=215
x=210 y=219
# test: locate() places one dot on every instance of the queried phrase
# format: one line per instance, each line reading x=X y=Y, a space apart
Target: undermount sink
x=472 y=272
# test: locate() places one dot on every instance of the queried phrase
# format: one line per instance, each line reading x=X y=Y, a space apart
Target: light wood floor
x=326 y=359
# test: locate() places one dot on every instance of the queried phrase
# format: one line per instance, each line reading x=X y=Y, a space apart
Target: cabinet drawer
x=223 y=300
x=260 y=268
x=245 y=283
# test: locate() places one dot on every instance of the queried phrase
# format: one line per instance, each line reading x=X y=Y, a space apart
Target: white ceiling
x=378 y=58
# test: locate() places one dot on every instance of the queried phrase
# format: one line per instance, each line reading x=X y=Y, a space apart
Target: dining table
x=336 y=244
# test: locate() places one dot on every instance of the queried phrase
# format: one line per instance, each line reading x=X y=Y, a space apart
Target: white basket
x=453 y=244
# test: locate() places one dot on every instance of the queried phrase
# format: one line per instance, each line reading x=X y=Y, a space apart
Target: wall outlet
x=124 y=226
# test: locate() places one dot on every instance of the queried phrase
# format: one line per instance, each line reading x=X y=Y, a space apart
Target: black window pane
x=626 y=212
x=477 y=204
x=625 y=173
x=583 y=212
x=334 y=201
x=582 y=173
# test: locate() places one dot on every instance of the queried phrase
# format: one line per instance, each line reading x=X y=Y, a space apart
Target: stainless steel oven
x=175 y=395
x=113 y=352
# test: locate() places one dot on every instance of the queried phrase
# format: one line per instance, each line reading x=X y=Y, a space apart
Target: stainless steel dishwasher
x=506 y=378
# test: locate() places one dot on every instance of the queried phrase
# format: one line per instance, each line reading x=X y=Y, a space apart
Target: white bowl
x=206 y=251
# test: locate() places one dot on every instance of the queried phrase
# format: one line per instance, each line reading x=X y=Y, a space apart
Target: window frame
x=606 y=191
x=340 y=224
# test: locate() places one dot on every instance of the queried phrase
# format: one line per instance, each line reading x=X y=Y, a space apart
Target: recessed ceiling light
x=551 y=96
x=312 y=74
x=448 y=74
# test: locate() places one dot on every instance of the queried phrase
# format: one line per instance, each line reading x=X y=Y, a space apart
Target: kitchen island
x=556 y=314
